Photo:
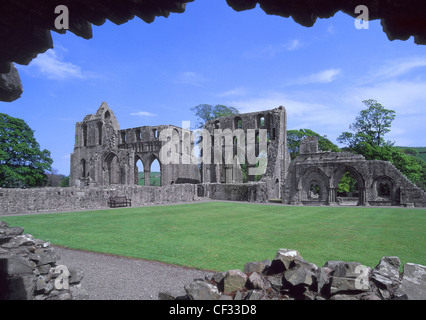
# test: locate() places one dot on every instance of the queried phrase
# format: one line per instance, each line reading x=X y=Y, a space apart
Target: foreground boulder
x=413 y=283
x=29 y=269
x=289 y=277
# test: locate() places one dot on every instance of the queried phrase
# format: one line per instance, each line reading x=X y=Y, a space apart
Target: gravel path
x=108 y=277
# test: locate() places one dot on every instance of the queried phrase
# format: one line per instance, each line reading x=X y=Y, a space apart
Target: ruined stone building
x=314 y=177
x=105 y=155
x=258 y=141
x=242 y=157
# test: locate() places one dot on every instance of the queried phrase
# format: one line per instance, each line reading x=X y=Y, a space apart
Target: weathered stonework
x=324 y=170
x=237 y=133
x=290 y=277
x=19 y=201
x=29 y=269
x=104 y=154
x=103 y=164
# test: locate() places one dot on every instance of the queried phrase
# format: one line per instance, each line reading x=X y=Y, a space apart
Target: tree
x=368 y=140
x=295 y=136
x=206 y=112
x=347 y=185
x=22 y=163
x=65 y=182
x=406 y=164
x=370 y=126
x=410 y=151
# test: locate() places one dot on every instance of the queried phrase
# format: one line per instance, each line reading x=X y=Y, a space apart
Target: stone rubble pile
x=29 y=269
x=290 y=277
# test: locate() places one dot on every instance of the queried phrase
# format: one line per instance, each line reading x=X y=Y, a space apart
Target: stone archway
x=314 y=187
x=139 y=171
x=360 y=181
x=385 y=191
x=148 y=168
x=114 y=173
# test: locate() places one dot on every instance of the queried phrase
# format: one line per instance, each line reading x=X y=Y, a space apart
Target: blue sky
x=152 y=74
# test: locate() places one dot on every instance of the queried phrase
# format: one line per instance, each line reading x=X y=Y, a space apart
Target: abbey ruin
x=242 y=157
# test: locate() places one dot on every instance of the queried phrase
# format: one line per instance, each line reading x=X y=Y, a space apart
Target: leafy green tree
x=422 y=182
x=410 y=151
x=22 y=163
x=370 y=126
x=295 y=136
x=65 y=182
x=347 y=185
x=207 y=112
x=407 y=164
x=368 y=140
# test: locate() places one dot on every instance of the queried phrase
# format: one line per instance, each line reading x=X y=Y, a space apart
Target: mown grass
x=221 y=236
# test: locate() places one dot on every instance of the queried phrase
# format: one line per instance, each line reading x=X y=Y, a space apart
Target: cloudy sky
x=152 y=74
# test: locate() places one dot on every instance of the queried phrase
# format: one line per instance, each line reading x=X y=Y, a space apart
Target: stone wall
x=289 y=277
x=106 y=155
x=324 y=170
x=248 y=136
x=16 y=201
x=247 y=192
x=29 y=269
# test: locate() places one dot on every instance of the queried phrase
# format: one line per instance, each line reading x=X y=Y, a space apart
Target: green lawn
x=154 y=180
x=222 y=236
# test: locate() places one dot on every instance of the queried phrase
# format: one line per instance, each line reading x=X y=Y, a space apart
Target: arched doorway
x=139 y=172
x=385 y=191
x=277 y=191
x=155 y=177
x=113 y=168
x=350 y=186
x=153 y=174
x=313 y=187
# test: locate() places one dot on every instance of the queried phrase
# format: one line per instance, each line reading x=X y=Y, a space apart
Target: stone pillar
x=147 y=176
x=362 y=197
x=228 y=174
x=332 y=196
x=250 y=178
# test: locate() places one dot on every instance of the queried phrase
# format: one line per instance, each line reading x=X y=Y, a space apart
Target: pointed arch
x=340 y=172
x=153 y=171
x=139 y=171
x=114 y=173
x=313 y=186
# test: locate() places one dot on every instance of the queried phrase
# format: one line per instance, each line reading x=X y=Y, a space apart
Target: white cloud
x=325 y=76
x=143 y=114
x=399 y=67
x=293 y=45
x=301 y=106
x=234 y=92
x=51 y=65
x=190 y=78
x=321 y=112
x=398 y=85
x=274 y=49
x=405 y=97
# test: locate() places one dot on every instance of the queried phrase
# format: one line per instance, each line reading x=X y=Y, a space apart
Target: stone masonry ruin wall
x=290 y=277
x=19 y=201
x=104 y=154
x=325 y=170
x=29 y=269
x=103 y=164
